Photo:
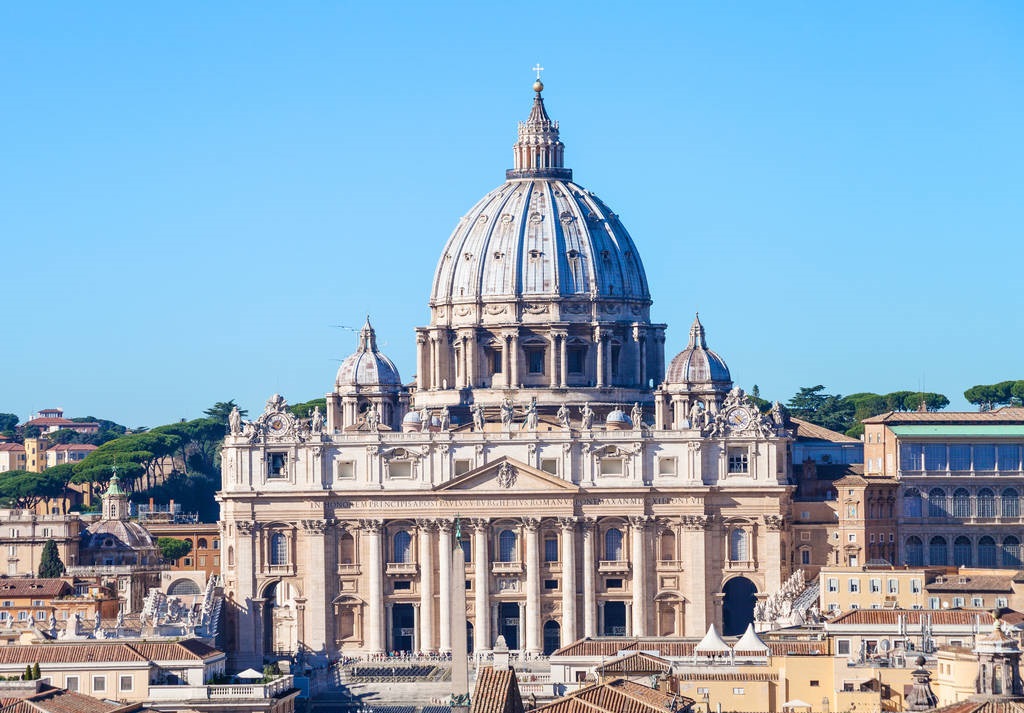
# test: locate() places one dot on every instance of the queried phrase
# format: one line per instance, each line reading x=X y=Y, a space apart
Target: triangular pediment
x=508 y=475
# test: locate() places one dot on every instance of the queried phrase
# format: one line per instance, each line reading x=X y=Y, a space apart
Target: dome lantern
x=538 y=153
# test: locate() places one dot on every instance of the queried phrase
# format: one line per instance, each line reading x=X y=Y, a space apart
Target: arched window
x=346 y=548
x=912 y=503
x=937 y=503
x=403 y=546
x=986 y=503
x=668 y=546
x=962 y=552
x=938 y=551
x=914 y=552
x=739 y=550
x=231 y=556
x=278 y=548
x=961 y=503
x=613 y=545
x=986 y=552
x=1011 y=503
x=1011 y=551
x=507 y=547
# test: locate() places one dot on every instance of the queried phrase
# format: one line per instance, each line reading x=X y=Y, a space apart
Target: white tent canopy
x=249 y=673
x=712 y=643
x=750 y=642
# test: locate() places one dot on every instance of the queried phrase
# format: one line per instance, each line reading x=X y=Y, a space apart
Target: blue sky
x=192 y=195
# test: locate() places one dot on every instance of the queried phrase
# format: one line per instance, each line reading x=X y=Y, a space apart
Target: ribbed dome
x=540 y=237
x=368 y=366
x=697 y=363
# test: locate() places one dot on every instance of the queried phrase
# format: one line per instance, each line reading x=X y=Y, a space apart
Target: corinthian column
x=426 y=557
x=531 y=527
x=315 y=565
x=599 y=344
x=568 y=579
x=589 y=587
x=375 y=592
x=639 y=530
x=444 y=550
x=481 y=599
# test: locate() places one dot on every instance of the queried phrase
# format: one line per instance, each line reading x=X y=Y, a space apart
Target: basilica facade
x=594 y=488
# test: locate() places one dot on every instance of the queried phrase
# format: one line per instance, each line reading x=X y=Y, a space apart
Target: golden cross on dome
x=538 y=69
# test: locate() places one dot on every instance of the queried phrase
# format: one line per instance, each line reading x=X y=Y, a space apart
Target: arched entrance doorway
x=403 y=627
x=738 y=606
x=552 y=637
x=508 y=623
x=614 y=619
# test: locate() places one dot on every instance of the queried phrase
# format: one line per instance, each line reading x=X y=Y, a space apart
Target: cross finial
x=538 y=69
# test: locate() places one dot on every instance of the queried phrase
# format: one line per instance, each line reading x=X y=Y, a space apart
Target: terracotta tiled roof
x=176 y=651
x=973 y=583
x=891 y=617
x=813 y=432
x=51 y=421
x=496 y=692
x=1002 y=415
x=637 y=662
x=14 y=447
x=57 y=700
x=982 y=706
x=35 y=588
x=618 y=696
x=95 y=651
x=735 y=676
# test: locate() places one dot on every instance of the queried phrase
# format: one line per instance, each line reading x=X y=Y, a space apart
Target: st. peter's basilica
x=593 y=490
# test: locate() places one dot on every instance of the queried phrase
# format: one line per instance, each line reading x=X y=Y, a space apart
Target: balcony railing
x=236 y=691
x=740 y=566
x=401 y=568
x=613 y=566
x=507 y=567
x=349 y=568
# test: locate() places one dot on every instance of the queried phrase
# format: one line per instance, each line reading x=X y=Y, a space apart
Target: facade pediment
x=506 y=475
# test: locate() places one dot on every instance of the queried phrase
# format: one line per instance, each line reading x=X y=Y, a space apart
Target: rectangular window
x=277 y=465
x=805 y=556
x=805 y=536
x=737 y=691
x=467 y=551
x=99 y=684
x=1009 y=458
x=613 y=583
x=666 y=466
x=805 y=515
x=911 y=456
x=915 y=586
x=71 y=683
x=977 y=602
x=935 y=457
x=400 y=469
x=852 y=537
x=833 y=584
x=496 y=361
x=960 y=458
x=612 y=466
x=875 y=586
x=739 y=460
x=461 y=467
x=126 y=683
x=894 y=586
x=403 y=585
x=535 y=358
x=701 y=691
x=346 y=469
x=550 y=584
x=549 y=465
x=984 y=457
x=551 y=549
x=815 y=684
x=576 y=357
x=854 y=585
x=933 y=602
x=958 y=602
x=1002 y=602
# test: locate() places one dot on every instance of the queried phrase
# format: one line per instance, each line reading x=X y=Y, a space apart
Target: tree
x=931 y=401
x=763 y=405
x=220 y=410
x=22 y=489
x=36 y=673
x=8 y=421
x=172 y=548
x=987 y=396
x=50 y=565
x=832 y=411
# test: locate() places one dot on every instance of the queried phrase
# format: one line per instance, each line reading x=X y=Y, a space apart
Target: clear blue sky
x=192 y=194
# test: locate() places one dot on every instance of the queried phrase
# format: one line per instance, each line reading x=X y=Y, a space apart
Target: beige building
x=594 y=490
x=12 y=457
x=23 y=534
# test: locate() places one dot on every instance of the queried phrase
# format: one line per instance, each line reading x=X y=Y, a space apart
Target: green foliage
x=8 y=421
x=832 y=411
x=36 y=673
x=50 y=565
x=27 y=676
x=302 y=410
x=173 y=549
x=22 y=489
x=194 y=492
x=199 y=443
x=220 y=410
x=763 y=405
x=988 y=396
x=137 y=457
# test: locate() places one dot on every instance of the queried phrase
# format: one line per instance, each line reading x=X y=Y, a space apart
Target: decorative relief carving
x=695 y=522
x=246 y=527
x=774 y=523
x=567 y=523
x=534 y=308
x=495 y=309
x=531 y=524
x=507 y=475
x=639 y=522
x=426 y=524
x=371 y=526
x=314 y=527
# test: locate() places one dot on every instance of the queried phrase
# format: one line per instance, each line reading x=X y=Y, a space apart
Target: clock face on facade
x=277 y=425
x=738 y=418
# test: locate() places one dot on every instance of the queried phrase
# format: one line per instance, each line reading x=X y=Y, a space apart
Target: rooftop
x=1006 y=414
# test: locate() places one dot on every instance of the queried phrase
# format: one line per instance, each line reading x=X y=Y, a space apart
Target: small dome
x=412 y=417
x=697 y=363
x=368 y=367
x=618 y=416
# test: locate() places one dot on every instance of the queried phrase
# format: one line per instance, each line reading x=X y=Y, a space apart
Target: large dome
x=539 y=238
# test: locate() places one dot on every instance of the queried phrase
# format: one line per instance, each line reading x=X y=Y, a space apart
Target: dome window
x=535 y=254
x=573 y=254
x=498 y=255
